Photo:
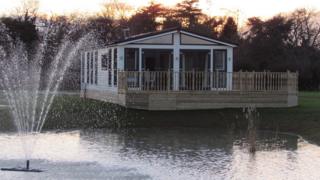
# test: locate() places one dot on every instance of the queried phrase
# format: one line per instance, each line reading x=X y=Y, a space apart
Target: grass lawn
x=303 y=120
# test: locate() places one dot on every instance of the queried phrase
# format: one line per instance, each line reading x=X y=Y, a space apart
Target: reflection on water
x=164 y=154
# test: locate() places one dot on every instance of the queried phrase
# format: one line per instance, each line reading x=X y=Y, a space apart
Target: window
x=131 y=59
x=115 y=68
x=91 y=68
x=83 y=59
x=110 y=67
x=220 y=57
x=88 y=68
x=194 y=60
x=104 y=61
x=96 y=67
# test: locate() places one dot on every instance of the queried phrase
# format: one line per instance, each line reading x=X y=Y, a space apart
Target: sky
x=245 y=8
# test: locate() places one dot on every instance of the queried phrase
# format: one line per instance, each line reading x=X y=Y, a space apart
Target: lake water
x=166 y=154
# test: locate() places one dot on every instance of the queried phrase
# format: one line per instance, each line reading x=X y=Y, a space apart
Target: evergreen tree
x=189 y=13
x=230 y=31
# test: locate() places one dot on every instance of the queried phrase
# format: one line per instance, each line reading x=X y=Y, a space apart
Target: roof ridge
x=154 y=33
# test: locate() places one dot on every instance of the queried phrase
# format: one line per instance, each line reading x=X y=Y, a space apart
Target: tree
x=104 y=28
x=170 y=19
x=115 y=10
x=189 y=13
x=265 y=44
x=28 y=11
x=305 y=29
x=304 y=47
x=230 y=31
x=146 y=19
x=21 y=30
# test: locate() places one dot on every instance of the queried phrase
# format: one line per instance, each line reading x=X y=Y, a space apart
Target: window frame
x=224 y=68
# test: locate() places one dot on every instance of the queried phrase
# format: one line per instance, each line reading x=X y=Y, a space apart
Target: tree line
x=284 y=42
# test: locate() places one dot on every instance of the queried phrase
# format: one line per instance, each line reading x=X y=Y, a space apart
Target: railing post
x=264 y=85
x=247 y=81
x=240 y=81
x=297 y=81
x=168 y=80
x=193 y=74
x=253 y=81
x=288 y=81
x=125 y=81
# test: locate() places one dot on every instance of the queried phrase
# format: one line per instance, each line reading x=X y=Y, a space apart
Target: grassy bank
x=303 y=120
x=73 y=112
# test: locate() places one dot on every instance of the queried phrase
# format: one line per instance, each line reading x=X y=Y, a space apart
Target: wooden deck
x=201 y=90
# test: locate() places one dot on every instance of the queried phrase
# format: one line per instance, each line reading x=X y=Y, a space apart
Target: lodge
x=175 y=69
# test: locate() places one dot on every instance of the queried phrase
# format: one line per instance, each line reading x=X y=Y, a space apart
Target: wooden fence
x=207 y=81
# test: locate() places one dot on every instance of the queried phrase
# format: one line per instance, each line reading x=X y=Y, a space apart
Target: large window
x=96 y=67
x=91 y=68
x=88 y=68
x=115 y=68
x=197 y=60
x=131 y=59
x=104 y=61
x=220 y=59
x=83 y=59
x=110 y=67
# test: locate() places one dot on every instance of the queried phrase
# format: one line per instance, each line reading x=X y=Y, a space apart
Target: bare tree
x=306 y=28
x=28 y=10
x=113 y=9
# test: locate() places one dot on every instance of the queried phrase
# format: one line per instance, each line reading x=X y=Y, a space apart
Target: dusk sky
x=247 y=8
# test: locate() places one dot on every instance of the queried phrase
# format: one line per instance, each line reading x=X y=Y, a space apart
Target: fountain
x=252 y=115
x=28 y=87
x=26 y=169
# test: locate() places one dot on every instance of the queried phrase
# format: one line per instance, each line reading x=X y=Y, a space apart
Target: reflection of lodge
x=271 y=141
x=190 y=145
x=176 y=69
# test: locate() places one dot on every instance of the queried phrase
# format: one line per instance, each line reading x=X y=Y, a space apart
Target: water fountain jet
x=29 y=87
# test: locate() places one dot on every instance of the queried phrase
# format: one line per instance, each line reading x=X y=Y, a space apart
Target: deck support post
x=240 y=81
x=211 y=69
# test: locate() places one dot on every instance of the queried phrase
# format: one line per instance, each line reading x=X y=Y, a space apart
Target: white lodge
x=176 y=69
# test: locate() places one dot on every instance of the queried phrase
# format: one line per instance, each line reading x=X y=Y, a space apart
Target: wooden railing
x=207 y=81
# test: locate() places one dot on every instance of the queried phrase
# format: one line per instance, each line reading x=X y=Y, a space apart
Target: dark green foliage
x=280 y=44
x=230 y=31
x=21 y=30
x=264 y=46
x=188 y=13
x=145 y=20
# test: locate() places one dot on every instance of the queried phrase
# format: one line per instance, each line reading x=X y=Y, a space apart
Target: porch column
x=120 y=66
x=140 y=67
x=176 y=62
x=229 y=67
x=120 y=57
x=211 y=68
x=112 y=67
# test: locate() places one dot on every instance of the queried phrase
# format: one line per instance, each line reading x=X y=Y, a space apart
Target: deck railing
x=207 y=81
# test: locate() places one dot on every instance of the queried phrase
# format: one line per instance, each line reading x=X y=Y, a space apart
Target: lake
x=166 y=153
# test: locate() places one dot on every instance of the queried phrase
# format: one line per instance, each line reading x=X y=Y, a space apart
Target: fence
x=207 y=81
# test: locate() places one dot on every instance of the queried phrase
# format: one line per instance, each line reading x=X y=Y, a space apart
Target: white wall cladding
x=166 y=39
x=186 y=39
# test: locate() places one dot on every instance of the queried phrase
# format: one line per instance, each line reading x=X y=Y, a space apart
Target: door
x=157 y=65
x=220 y=69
